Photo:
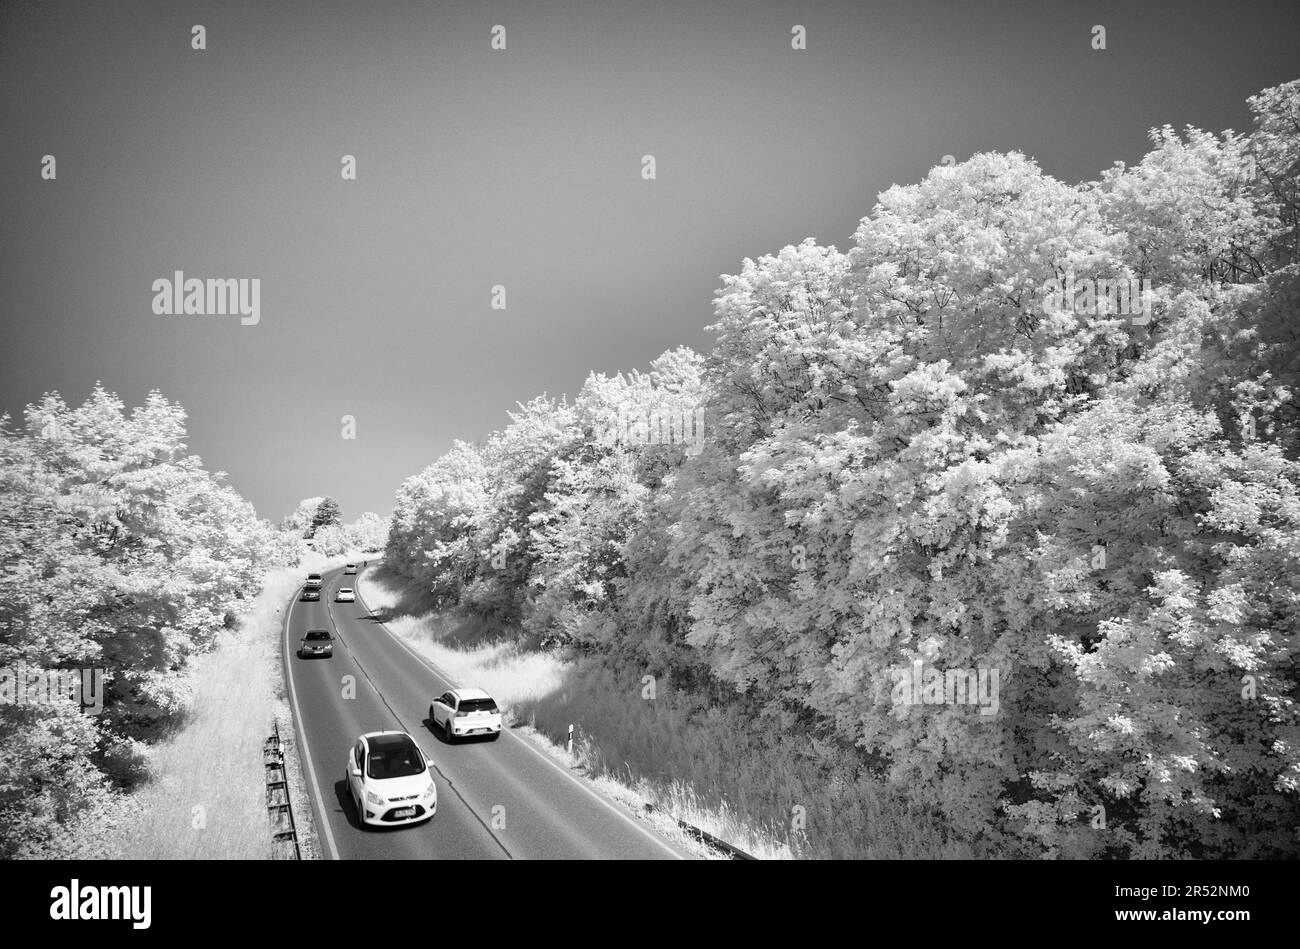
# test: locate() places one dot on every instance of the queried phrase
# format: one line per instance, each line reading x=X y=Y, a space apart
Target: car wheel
x=446 y=730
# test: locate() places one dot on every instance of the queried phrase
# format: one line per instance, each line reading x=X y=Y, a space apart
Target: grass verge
x=205 y=797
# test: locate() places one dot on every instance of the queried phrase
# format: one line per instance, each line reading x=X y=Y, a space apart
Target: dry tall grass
x=771 y=792
x=460 y=648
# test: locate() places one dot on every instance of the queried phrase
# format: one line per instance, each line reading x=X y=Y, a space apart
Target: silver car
x=318 y=643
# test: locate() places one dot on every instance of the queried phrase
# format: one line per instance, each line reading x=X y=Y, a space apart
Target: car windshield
x=313 y=576
x=478 y=705
x=393 y=757
x=318 y=634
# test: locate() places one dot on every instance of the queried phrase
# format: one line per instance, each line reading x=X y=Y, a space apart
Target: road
x=496 y=800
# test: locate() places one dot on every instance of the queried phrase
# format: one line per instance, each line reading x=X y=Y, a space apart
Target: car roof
x=382 y=740
x=325 y=631
x=470 y=694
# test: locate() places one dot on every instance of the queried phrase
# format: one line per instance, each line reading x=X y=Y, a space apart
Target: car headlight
x=375 y=799
x=432 y=790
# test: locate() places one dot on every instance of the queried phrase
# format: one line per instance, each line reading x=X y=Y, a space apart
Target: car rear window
x=316 y=634
x=478 y=705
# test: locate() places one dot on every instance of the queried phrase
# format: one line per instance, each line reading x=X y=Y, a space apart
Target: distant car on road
x=390 y=781
x=350 y=568
x=465 y=712
x=314 y=581
x=317 y=642
x=345 y=595
x=310 y=594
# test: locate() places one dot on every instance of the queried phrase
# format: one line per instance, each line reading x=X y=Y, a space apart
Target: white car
x=390 y=781
x=465 y=712
x=345 y=595
x=350 y=568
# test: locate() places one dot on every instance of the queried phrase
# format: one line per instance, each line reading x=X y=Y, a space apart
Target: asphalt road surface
x=497 y=800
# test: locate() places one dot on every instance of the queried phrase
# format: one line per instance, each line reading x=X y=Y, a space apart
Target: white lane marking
x=645 y=832
x=302 y=734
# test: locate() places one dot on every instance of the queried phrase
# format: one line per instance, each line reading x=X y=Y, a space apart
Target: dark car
x=308 y=593
x=317 y=642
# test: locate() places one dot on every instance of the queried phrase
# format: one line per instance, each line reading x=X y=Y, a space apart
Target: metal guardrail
x=284 y=833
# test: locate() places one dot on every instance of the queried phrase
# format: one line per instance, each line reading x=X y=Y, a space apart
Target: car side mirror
x=355 y=771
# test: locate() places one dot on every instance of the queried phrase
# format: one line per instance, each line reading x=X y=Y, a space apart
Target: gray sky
x=519 y=168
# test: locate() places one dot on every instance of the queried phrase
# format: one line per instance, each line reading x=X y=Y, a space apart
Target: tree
x=300 y=521
x=120 y=552
x=327 y=514
x=437 y=517
x=368 y=532
x=917 y=453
